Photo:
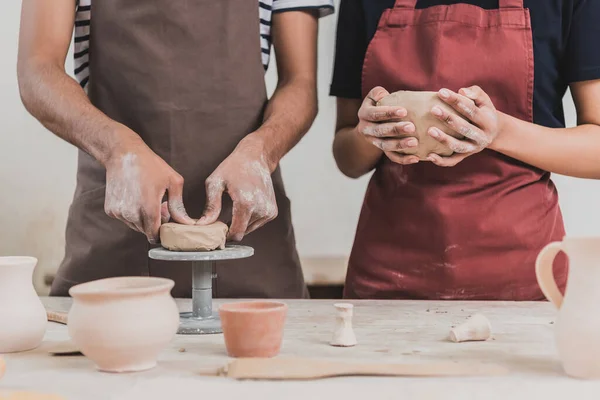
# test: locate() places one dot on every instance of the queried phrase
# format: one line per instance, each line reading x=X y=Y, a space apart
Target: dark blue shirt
x=566 y=42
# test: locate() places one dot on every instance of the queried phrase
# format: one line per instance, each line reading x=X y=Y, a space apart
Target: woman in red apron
x=467 y=226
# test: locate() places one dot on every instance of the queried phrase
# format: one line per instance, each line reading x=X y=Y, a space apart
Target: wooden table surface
x=387 y=331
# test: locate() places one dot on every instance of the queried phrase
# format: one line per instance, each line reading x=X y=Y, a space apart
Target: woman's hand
x=479 y=130
x=383 y=127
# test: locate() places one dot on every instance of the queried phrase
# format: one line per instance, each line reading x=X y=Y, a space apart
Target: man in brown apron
x=187 y=78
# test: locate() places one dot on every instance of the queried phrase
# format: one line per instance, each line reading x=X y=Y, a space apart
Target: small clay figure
x=477 y=327
x=343 y=334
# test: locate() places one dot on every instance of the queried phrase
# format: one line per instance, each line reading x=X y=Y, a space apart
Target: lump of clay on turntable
x=178 y=237
x=419 y=105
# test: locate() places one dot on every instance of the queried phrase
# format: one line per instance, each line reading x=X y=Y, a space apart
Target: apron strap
x=405 y=4
x=511 y=3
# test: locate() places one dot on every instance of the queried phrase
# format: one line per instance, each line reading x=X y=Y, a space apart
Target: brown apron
x=187 y=77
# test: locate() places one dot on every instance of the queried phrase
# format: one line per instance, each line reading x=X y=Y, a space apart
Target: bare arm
x=353 y=153
x=288 y=116
x=62 y=106
x=51 y=95
x=365 y=132
x=293 y=106
x=568 y=151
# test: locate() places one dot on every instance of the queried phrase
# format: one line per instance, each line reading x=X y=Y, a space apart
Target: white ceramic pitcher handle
x=545 y=273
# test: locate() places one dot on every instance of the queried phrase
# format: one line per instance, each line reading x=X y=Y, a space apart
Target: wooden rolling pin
x=307 y=369
x=57 y=316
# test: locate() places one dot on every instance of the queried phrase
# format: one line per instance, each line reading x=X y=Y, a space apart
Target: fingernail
x=467 y=92
x=444 y=93
x=414 y=161
x=409 y=128
x=437 y=111
x=401 y=113
x=412 y=143
x=434 y=132
x=378 y=144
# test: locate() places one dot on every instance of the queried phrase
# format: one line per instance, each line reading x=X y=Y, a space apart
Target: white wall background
x=37 y=172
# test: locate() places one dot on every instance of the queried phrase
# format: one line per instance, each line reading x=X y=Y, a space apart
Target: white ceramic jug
x=578 y=323
x=22 y=314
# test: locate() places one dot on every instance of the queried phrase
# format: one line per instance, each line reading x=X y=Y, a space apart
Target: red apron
x=472 y=231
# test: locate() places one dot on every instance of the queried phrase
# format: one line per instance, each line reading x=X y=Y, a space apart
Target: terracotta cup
x=123 y=323
x=254 y=328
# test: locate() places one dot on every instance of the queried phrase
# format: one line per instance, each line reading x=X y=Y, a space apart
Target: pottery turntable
x=202 y=319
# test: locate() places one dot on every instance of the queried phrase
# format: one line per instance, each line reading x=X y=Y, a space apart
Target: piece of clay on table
x=57 y=316
x=306 y=369
x=343 y=334
x=419 y=105
x=476 y=328
x=179 y=237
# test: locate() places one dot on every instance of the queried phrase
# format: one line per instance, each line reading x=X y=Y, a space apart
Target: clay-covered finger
x=460 y=126
x=389 y=129
x=239 y=221
x=402 y=159
x=465 y=106
x=456 y=145
x=214 y=201
x=450 y=161
x=165 y=215
x=151 y=221
x=382 y=113
x=175 y=201
x=375 y=94
x=409 y=143
x=478 y=95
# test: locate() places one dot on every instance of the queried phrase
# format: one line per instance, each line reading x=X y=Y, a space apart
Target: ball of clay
x=178 y=237
x=419 y=105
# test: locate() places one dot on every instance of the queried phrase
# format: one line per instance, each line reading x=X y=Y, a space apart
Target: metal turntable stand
x=202 y=319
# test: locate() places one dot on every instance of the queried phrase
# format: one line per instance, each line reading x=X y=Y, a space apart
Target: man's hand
x=136 y=182
x=246 y=177
x=480 y=129
x=382 y=127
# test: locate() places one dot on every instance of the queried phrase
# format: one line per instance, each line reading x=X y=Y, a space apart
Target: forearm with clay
x=136 y=178
x=246 y=174
x=62 y=106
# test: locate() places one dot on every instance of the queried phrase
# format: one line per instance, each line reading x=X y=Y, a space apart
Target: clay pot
x=253 y=329
x=22 y=313
x=123 y=323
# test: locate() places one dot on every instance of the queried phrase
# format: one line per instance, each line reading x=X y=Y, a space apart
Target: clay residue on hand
x=124 y=194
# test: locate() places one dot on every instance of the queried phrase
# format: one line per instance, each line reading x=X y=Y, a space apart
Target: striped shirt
x=266 y=9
